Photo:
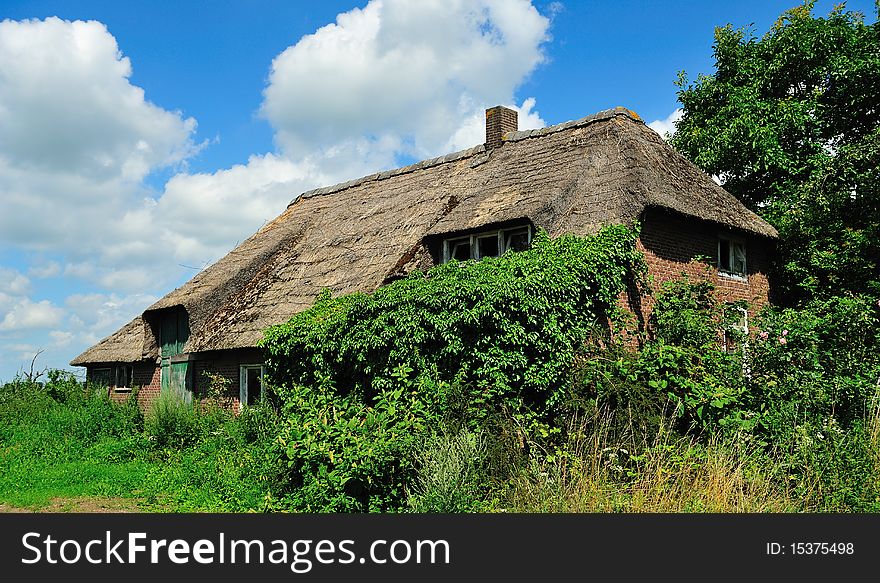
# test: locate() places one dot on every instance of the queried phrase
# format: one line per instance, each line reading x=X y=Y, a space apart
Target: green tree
x=790 y=123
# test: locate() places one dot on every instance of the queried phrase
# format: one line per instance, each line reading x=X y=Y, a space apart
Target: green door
x=175 y=373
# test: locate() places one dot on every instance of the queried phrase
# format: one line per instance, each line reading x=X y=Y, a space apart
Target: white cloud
x=61 y=338
x=67 y=105
x=204 y=215
x=42 y=271
x=14 y=283
x=408 y=74
x=26 y=314
x=78 y=137
x=666 y=127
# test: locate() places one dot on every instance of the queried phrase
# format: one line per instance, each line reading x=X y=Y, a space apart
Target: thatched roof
x=569 y=178
x=125 y=345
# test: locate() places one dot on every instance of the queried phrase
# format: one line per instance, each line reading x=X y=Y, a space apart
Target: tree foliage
x=790 y=124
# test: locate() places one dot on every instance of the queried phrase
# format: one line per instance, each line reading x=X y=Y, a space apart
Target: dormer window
x=732 y=257
x=487 y=243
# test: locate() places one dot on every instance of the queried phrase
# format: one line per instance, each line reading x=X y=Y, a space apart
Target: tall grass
x=601 y=471
x=65 y=441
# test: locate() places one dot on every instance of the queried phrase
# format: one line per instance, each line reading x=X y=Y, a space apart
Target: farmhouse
x=606 y=168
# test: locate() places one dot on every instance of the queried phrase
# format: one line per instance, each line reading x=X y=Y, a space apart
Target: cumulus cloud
x=666 y=127
x=61 y=338
x=26 y=314
x=67 y=105
x=14 y=283
x=49 y=269
x=78 y=137
x=405 y=75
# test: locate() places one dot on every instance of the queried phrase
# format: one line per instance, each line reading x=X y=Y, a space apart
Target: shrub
x=64 y=387
x=682 y=369
x=815 y=364
x=686 y=313
x=172 y=422
x=506 y=327
x=346 y=455
x=451 y=474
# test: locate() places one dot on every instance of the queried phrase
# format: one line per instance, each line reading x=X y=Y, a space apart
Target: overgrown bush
x=346 y=455
x=451 y=474
x=172 y=422
x=816 y=363
x=682 y=370
x=366 y=378
x=509 y=326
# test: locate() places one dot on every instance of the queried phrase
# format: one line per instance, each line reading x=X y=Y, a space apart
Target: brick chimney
x=499 y=121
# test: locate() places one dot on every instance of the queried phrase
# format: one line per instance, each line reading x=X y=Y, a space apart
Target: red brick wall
x=225 y=365
x=145 y=376
x=670 y=242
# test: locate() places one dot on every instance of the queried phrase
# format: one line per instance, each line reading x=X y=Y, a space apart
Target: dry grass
x=872 y=425
x=673 y=474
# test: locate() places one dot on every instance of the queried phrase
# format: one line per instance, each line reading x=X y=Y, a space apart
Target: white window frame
x=474 y=238
x=124 y=388
x=242 y=382
x=732 y=244
x=742 y=327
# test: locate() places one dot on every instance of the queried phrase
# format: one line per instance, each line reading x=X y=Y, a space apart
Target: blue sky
x=142 y=140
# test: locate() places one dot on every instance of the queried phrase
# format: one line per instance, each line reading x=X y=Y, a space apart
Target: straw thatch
x=569 y=178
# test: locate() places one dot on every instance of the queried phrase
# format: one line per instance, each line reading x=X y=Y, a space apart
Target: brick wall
x=227 y=367
x=147 y=377
x=144 y=375
x=670 y=242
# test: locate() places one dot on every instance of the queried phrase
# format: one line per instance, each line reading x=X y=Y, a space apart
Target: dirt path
x=81 y=504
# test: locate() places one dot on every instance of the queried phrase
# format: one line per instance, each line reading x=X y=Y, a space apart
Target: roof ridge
x=603 y=115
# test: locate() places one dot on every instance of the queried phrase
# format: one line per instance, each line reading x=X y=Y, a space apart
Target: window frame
x=127 y=373
x=242 y=383
x=741 y=327
x=732 y=244
x=474 y=242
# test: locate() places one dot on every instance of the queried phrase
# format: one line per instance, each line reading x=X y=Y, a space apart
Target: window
x=732 y=257
x=124 y=374
x=102 y=376
x=487 y=244
x=251 y=384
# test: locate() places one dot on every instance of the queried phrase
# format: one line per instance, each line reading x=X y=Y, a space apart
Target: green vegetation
x=788 y=122
x=63 y=441
x=786 y=419
x=366 y=378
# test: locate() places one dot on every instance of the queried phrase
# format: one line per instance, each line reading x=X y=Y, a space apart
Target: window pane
x=488 y=245
x=253 y=385
x=517 y=240
x=739 y=259
x=101 y=376
x=724 y=255
x=460 y=249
